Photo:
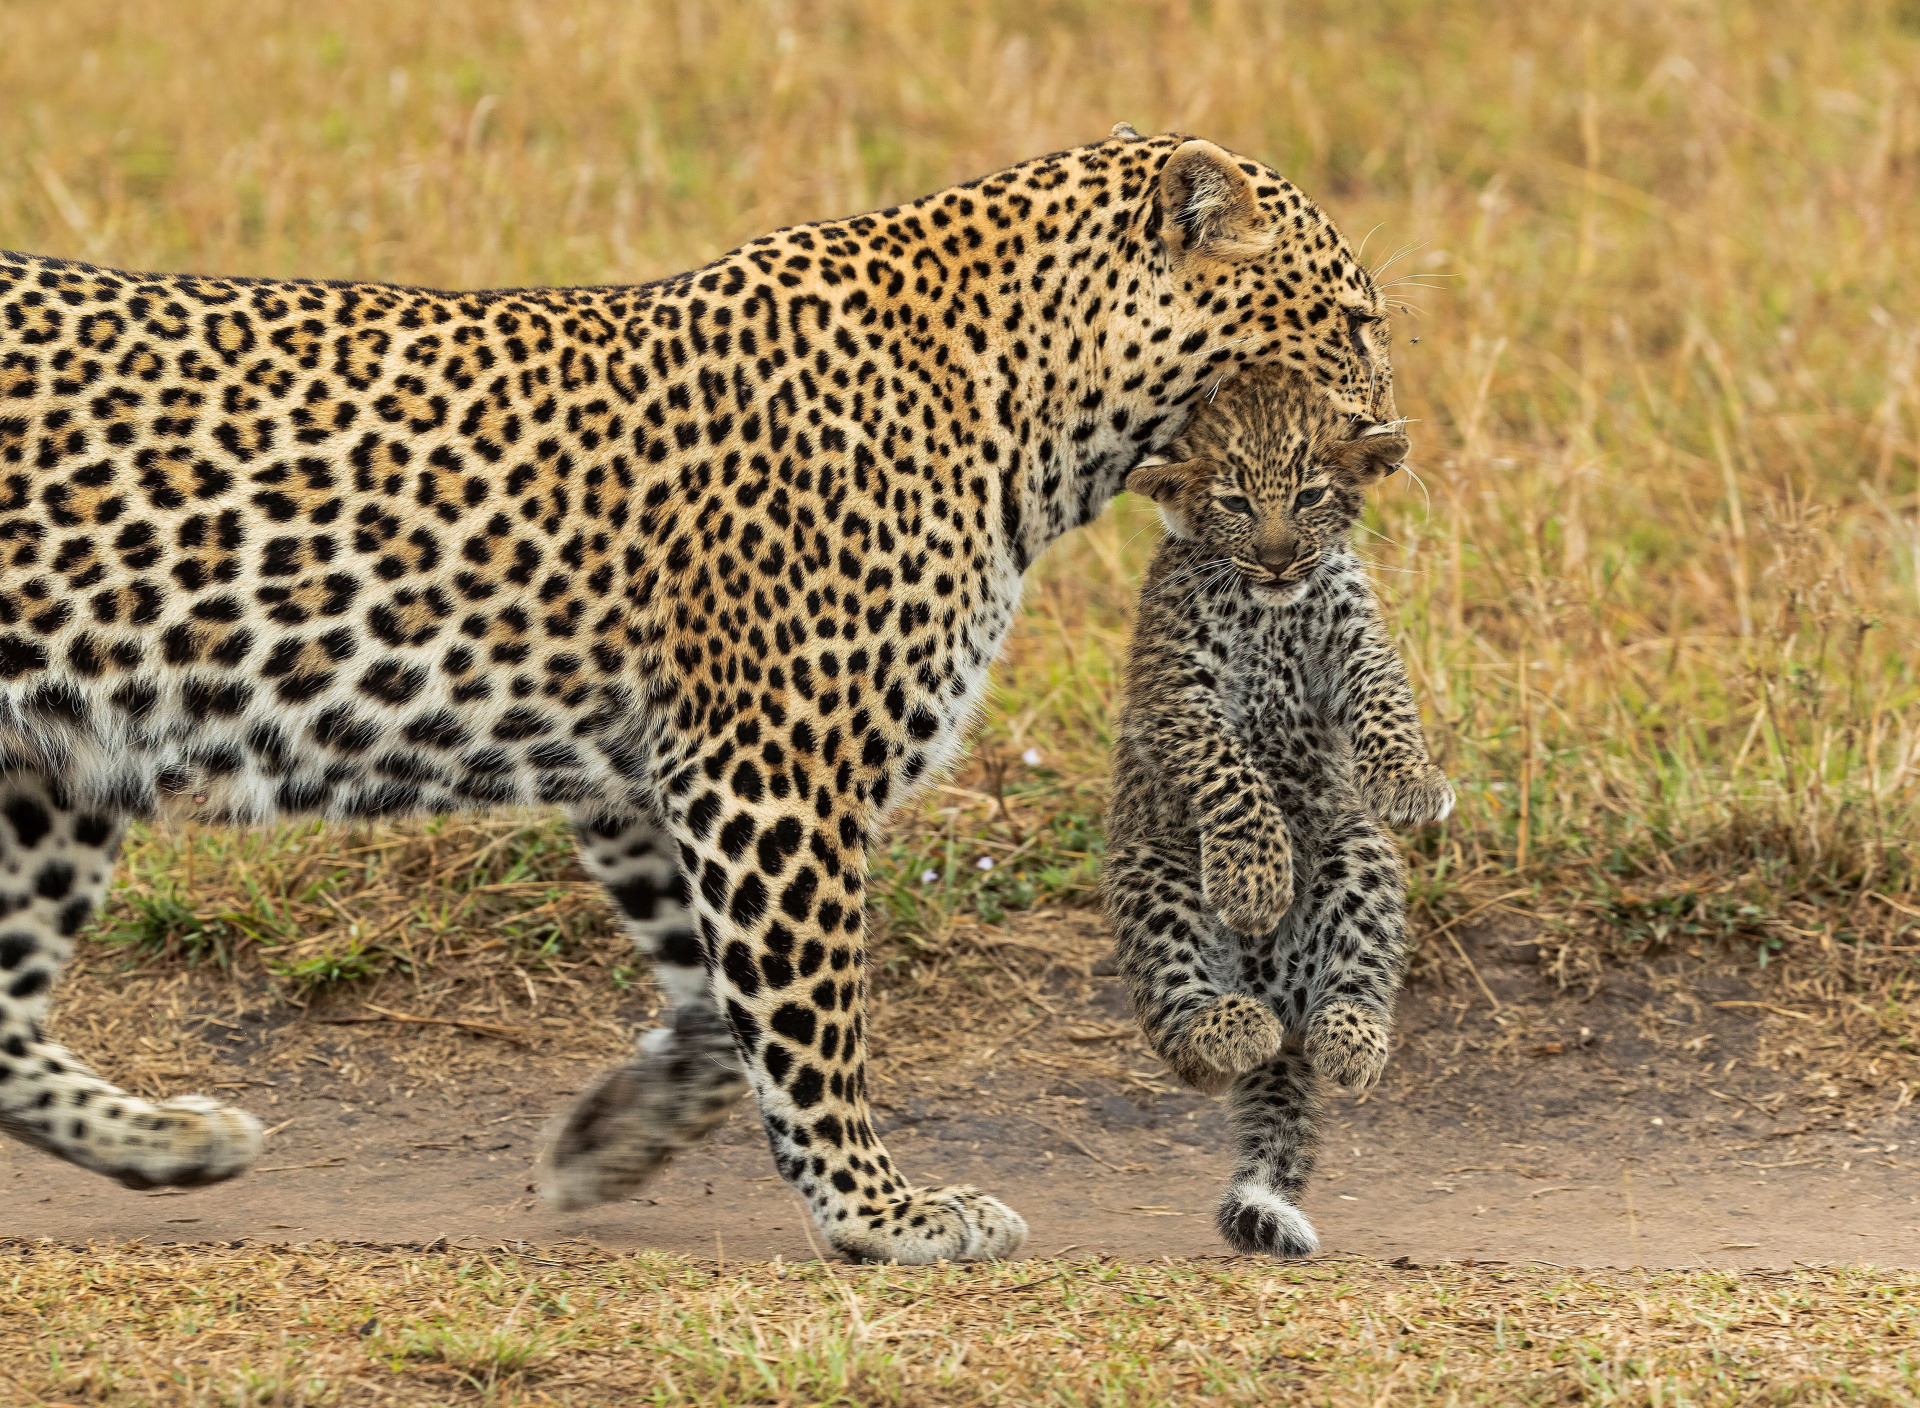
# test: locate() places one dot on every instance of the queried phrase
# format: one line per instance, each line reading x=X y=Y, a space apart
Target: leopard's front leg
x=778 y=867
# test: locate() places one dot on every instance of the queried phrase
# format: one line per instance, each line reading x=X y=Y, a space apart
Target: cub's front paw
x=1347 y=1043
x=1409 y=796
x=1247 y=877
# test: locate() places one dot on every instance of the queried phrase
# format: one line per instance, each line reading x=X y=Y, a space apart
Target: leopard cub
x=1268 y=737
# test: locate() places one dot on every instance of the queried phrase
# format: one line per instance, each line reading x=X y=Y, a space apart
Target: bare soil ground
x=1672 y=1115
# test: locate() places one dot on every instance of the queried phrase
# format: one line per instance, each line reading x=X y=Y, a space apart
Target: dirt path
x=1498 y=1136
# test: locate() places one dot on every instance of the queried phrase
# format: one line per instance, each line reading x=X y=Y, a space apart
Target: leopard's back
x=303 y=547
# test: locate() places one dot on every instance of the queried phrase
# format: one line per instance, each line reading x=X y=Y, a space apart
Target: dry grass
x=1661 y=578
x=320 y=1324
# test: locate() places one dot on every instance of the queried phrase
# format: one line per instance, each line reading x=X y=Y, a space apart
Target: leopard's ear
x=1207 y=205
x=1373 y=456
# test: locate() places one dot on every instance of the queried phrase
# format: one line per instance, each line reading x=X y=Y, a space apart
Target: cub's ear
x=1154 y=478
x=1371 y=457
x=1170 y=487
x=1207 y=205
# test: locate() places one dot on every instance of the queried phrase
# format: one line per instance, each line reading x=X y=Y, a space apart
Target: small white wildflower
x=1031 y=757
x=984 y=863
x=929 y=877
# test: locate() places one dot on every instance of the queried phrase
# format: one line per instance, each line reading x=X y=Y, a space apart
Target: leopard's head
x=1245 y=271
x=1268 y=475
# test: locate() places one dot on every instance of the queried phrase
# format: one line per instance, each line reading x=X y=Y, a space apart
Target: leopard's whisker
x=1179 y=578
x=1426 y=497
x=1399 y=254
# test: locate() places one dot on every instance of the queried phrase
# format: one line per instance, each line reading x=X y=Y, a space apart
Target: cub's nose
x=1276 y=550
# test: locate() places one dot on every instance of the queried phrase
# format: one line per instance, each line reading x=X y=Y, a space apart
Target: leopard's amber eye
x=1236 y=504
x=1357 y=325
x=1309 y=497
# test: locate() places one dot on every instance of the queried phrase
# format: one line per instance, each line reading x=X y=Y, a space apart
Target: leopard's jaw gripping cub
x=1257 y=904
x=717 y=563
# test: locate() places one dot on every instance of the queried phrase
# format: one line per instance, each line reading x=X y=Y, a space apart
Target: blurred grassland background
x=1657 y=581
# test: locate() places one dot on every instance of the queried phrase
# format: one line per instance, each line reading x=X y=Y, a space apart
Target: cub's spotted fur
x=1256 y=903
x=717 y=563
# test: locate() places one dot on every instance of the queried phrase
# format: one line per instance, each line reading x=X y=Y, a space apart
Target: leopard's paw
x=679 y=1085
x=189 y=1141
x=1247 y=878
x=1409 y=796
x=1348 y=1042
x=1256 y=1221
x=1231 y=1034
x=925 y=1225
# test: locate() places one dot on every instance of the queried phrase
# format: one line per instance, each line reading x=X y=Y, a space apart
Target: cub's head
x=1241 y=270
x=1269 y=474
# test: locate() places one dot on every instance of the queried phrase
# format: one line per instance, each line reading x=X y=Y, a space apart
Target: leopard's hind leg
x=1273 y=1112
x=55 y=860
x=1172 y=953
x=685 y=1075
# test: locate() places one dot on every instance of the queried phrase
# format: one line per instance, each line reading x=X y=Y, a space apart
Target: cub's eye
x=1236 y=504
x=1309 y=497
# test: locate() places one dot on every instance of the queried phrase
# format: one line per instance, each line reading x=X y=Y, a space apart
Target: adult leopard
x=718 y=564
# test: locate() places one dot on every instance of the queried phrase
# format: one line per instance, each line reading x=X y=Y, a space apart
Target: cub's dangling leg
x=685 y=1074
x=55 y=860
x=1171 y=951
x=1345 y=949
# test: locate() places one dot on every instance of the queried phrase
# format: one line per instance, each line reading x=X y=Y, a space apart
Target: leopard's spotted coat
x=1258 y=906
x=717 y=563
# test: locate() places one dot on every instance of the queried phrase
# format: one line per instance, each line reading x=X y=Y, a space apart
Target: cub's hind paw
x=1256 y=1221
x=1410 y=798
x=1247 y=878
x=1348 y=1043
x=1231 y=1034
x=956 y=1223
